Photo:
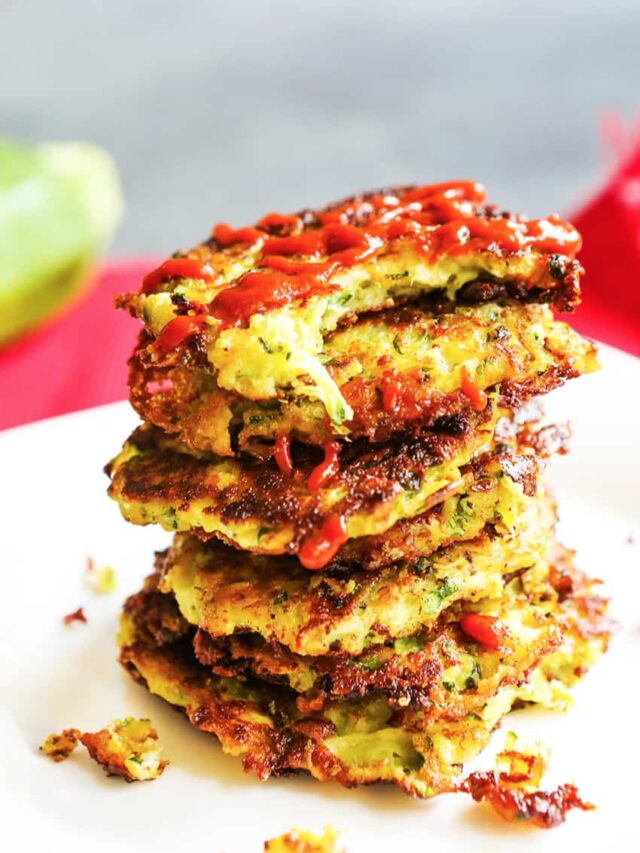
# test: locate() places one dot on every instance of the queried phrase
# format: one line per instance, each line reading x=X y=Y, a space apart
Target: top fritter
x=257 y=302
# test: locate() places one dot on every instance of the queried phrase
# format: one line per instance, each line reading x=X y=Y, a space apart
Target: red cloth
x=79 y=360
x=610 y=226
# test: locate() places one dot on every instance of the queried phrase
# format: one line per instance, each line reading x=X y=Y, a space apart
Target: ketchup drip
x=258 y=292
x=320 y=547
x=175 y=268
x=438 y=219
x=179 y=329
x=227 y=236
x=282 y=453
x=487 y=630
x=327 y=469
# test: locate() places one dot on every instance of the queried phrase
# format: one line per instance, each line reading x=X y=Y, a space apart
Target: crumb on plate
x=75 y=616
x=127 y=748
x=59 y=747
x=512 y=787
x=303 y=841
x=101 y=580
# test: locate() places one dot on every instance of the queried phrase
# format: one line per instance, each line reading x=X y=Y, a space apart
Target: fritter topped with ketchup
x=254 y=305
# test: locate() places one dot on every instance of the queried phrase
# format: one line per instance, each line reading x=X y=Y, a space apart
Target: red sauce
x=227 y=236
x=439 y=219
x=320 y=548
x=282 y=453
x=307 y=243
x=257 y=292
x=488 y=630
x=175 y=268
x=327 y=469
x=278 y=220
x=179 y=329
x=400 y=395
x=476 y=396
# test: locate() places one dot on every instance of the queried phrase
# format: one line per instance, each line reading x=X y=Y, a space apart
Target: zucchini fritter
x=399 y=371
x=225 y=591
x=362 y=740
x=255 y=506
x=258 y=302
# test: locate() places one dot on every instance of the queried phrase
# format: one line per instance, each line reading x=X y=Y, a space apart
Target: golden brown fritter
x=255 y=506
x=358 y=741
x=225 y=591
x=257 y=303
x=399 y=371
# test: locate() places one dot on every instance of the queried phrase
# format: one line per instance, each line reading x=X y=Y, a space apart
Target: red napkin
x=79 y=360
x=610 y=226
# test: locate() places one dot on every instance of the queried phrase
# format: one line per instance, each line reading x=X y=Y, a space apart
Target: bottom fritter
x=371 y=738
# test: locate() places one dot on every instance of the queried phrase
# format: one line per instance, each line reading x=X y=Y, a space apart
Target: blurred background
x=227 y=109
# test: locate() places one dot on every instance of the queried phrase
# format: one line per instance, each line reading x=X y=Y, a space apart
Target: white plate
x=54 y=513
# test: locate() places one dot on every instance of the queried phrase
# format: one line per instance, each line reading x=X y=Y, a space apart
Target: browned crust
x=368 y=476
x=190 y=397
x=414 y=680
x=544 y=809
x=156 y=615
x=406 y=539
x=283 y=740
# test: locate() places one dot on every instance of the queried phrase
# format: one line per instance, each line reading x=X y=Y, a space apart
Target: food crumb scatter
x=102 y=580
x=127 y=748
x=59 y=747
x=303 y=841
x=75 y=616
x=512 y=787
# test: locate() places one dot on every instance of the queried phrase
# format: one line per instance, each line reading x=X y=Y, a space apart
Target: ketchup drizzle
x=175 y=268
x=320 y=547
x=327 y=469
x=439 y=219
x=487 y=630
x=282 y=453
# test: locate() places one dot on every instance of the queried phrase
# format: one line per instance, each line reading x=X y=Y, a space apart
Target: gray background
x=224 y=110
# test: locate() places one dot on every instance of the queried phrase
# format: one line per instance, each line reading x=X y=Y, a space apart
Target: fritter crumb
x=75 y=616
x=101 y=580
x=127 y=748
x=511 y=789
x=303 y=841
x=59 y=747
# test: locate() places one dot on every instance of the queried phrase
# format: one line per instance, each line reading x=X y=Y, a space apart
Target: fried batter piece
x=357 y=741
x=257 y=303
x=512 y=789
x=127 y=748
x=59 y=747
x=399 y=371
x=303 y=841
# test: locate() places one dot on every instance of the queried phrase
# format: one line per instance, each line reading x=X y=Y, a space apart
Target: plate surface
x=55 y=513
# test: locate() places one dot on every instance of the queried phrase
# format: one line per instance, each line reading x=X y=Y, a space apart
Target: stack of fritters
x=364 y=576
